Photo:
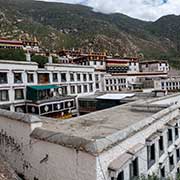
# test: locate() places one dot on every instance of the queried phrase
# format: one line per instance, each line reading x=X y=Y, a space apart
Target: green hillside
x=58 y=25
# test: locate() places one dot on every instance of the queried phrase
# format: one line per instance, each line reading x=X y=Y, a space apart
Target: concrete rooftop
x=98 y=124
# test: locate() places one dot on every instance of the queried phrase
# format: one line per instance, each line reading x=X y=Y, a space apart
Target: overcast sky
x=141 y=9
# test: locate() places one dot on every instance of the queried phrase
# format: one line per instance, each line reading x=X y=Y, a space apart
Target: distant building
x=171 y=84
x=31 y=46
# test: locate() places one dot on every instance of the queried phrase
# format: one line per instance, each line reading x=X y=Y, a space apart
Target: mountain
x=58 y=25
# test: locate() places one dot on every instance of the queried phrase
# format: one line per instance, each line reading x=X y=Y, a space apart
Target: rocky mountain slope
x=58 y=25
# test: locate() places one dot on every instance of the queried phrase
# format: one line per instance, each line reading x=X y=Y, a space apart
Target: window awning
x=118 y=163
x=43 y=87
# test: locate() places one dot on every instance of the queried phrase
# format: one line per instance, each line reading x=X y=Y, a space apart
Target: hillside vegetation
x=58 y=25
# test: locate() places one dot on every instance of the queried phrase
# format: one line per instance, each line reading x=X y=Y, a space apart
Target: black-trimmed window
x=55 y=77
x=171 y=162
x=63 y=77
x=3 y=78
x=161 y=145
x=176 y=128
x=90 y=77
x=18 y=78
x=79 y=89
x=170 y=137
x=84 y=77
x=178 y=154
x=78 y=77
x=85 y=88
x=162 y=172
x=4 y=95
x=72 y=89
x=71 y=77
x=19 y=94
x=30 y=77
x=121 y=176
x=134 y=169
x=151 y=155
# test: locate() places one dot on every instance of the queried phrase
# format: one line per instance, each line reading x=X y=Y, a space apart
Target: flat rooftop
x=98 y=124
x=98 y=131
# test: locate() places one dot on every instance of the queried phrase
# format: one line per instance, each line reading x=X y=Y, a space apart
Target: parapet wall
x=37 y=159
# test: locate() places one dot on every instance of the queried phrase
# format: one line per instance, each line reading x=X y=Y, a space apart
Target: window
x=95 y=63
x=30 y=78
x=161 y=146
x=96 y=77
x=78 y=77
x=90 y=77
x=63 y=77
x=171 y=162
x=84 y=77
x=107 y=82
x=64 y=90
x=178 y=155
x=170 y=137
x=176 y=131
x=71 y=77
x=55 y=77
x=102 y=63
x=79 y=90
x=85 y=88
x=134 y=172
x=97 y=85
x=151 y=155
x=4 y=95
x=17 y=77
x=72 y=89
x=91 y=87
x=19 y=94
x=120 y=176
x=162 y=172
x=3 y=78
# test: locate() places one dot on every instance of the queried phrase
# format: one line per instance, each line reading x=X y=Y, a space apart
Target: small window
x=102 y=63
x=85 y=88
x=79 y=89
x=84 y=77
x=4 y=95
x=19 y=94
x=95 y=62
x=55 y=77
x=134 y=171
x=64 y=90
x=71 y=77
x=176 y=131
x=120 y=176
x=178 y=155
x=72 y=89
x=18 y=78
x=91 y=87
x=78 y=77
x=97 y=85
x=171 y=162
x=161 y=145
x=3 y=78
x=30 y=78
x=90 y=77
x=162 y=172
x=97 y=77
x=170 y=137
x=63 y=77
x=151 y=154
